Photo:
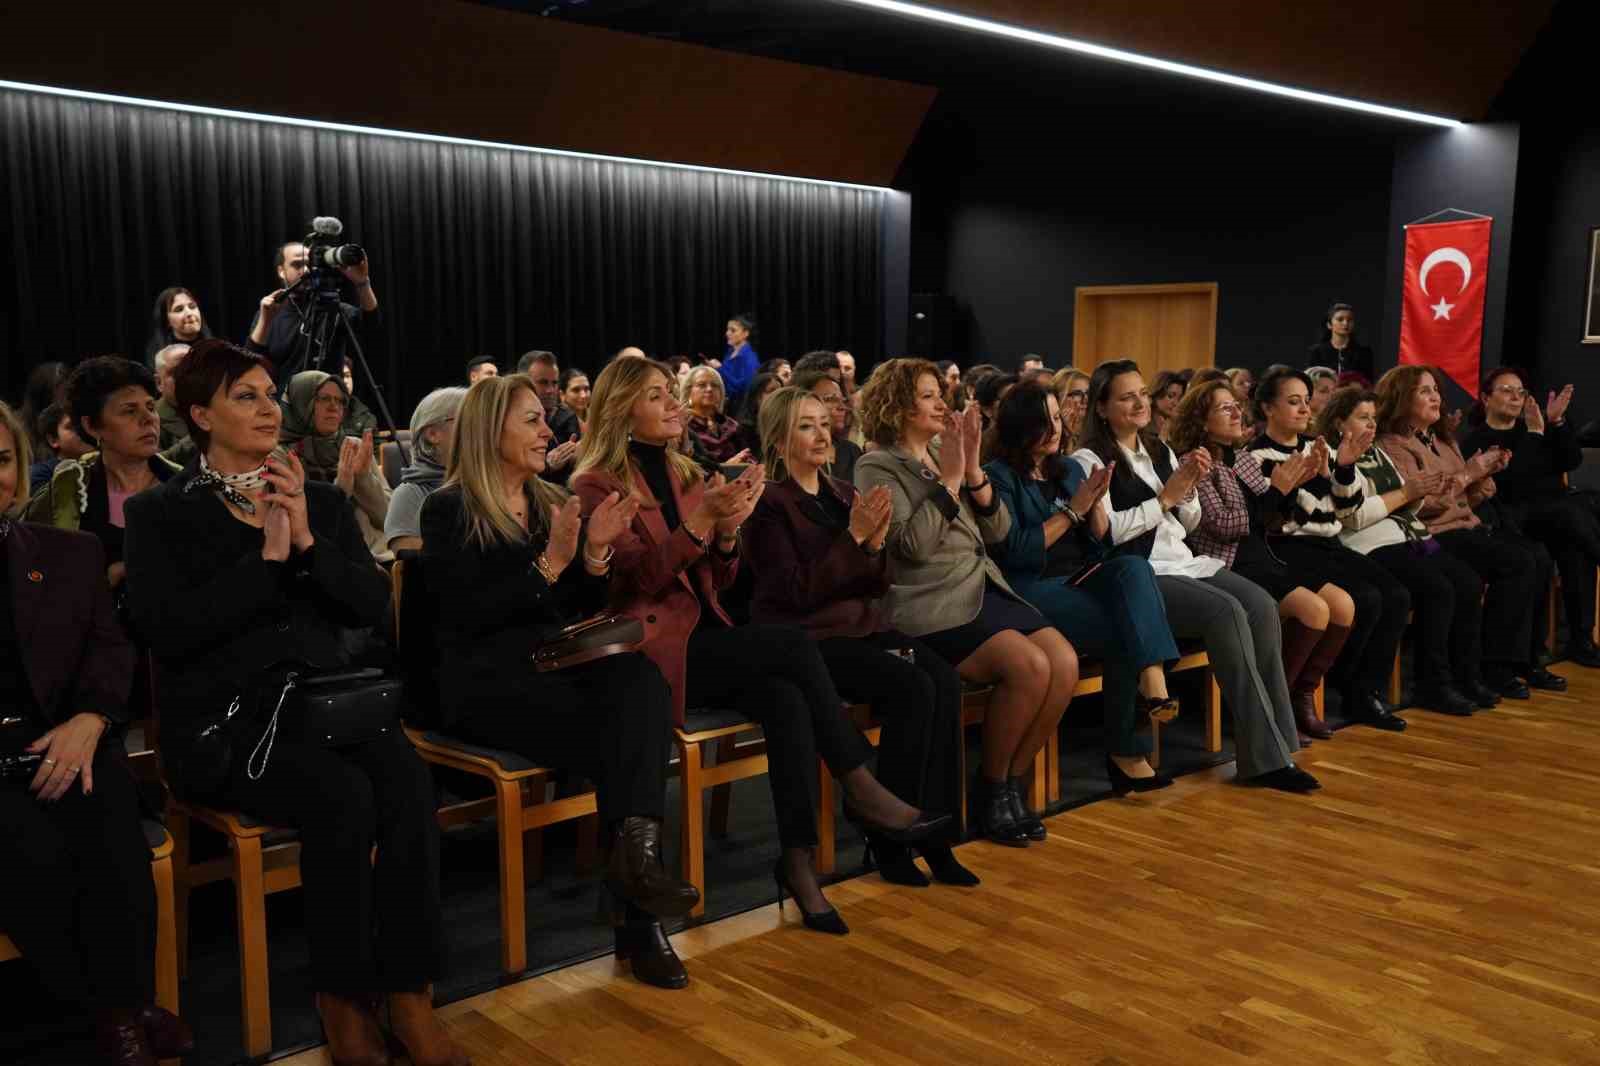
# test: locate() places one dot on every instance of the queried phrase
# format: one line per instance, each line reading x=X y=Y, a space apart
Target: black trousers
x=1382 y=606
x=1544 y=571
x=919 y=704
x=1510 y=574
x=76 y=895
x=775 y=675
x=1447 y=597
x=1569 y=528
x=373 y=927
x=609 y=720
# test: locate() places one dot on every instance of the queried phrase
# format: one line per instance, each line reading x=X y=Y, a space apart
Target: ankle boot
x=1303 y=685
x=119 y=1036
x=169 y=1035
x=992 y=815
x=644 y=944
x=420 y=1031
x=351 y=1029
x=634 y=872
x=1026 y=820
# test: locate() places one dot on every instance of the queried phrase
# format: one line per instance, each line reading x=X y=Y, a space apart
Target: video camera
x=326 y=259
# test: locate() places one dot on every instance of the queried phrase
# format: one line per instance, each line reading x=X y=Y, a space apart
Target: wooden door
x=1161 y=327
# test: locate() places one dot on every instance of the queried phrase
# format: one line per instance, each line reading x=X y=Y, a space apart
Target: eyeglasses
x=1227 y=408
x=1078 y=395
x=331 y=401
x=1513 y=391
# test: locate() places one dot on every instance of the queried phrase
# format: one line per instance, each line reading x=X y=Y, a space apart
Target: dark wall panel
x=473 y=250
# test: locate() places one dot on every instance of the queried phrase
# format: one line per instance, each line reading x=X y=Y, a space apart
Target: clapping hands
x=870 y=514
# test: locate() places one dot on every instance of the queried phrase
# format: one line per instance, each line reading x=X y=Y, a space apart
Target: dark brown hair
x=1339 y=407
x=1188 y=429
x=1395 y=390
x=210 y=365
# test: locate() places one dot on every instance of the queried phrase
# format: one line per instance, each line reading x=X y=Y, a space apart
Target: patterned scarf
x=1383 y=477
x=232 y=486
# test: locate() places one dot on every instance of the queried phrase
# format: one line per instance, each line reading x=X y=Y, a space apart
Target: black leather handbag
x=17 y=765
x=588 y=640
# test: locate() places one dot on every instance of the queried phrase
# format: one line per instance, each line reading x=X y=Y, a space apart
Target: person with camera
x=76 y=895
x=276 y=330
x=509 y=563
x=238 y=566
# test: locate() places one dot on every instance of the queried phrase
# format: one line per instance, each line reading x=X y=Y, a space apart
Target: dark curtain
x=473 y=250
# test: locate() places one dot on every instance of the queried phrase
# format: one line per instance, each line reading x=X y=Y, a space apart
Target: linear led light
x=1070 y=44
x=407 y=135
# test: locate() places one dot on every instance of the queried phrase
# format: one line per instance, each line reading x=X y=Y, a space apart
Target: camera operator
x=276 y=330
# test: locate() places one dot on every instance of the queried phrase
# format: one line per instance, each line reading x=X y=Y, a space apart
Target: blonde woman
x=701 y=392
x=508 y=562
x=1072 y=393
x=680 y=550
x=820 y=564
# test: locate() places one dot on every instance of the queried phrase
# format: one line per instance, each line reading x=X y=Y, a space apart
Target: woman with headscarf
x=433 y=426
x=314 y=430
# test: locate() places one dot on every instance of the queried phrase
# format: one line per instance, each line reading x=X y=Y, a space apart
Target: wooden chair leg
x=1213 y=712
x=1154 y=758
x=1036 y=785
x=1394 y=679
x=513 y=874
x=722 y=795
x=691 y=783
x=533 y=839
x=179 y=827
x=1550 y=615
x=1318 y=697
x=827 y=855
x=961 y=776
x=1052 y=768
x=166 y=936
x=1594 y=634
x=250 y=909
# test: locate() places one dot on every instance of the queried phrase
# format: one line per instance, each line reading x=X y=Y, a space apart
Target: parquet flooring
x=1437 y=903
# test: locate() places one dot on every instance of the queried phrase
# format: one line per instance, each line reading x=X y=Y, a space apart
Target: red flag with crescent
x=1441 y=307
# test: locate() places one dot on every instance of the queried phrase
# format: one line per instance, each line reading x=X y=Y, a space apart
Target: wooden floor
x=1437 y=903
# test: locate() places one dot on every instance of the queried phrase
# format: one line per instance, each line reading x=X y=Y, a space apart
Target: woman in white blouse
x=1152 y=506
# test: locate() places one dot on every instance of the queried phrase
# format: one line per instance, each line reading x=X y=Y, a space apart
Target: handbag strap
x=270 y=735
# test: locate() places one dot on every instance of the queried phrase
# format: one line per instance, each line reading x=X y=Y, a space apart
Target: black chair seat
x=701 y=719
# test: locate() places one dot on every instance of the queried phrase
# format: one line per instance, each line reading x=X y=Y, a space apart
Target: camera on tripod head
x=326 y=259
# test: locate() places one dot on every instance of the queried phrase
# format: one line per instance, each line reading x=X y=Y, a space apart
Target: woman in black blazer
x=236 y=565
x=76 y=895
x=499 y=544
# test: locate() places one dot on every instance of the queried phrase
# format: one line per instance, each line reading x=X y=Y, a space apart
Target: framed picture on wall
x=1591 y=305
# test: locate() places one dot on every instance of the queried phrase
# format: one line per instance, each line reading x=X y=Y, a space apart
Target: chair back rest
x=392 y=463
x=415 y=645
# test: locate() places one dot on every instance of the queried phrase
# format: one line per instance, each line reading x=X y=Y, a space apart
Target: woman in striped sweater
x=1303 y=526
x=1316 y=618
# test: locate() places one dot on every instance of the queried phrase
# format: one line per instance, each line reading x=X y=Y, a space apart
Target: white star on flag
x=1442 y=310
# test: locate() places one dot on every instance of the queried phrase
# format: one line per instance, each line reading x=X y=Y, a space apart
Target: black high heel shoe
x=642 y=942
x=895 y=862
x=826 y=922
x=925 y=826
x=942 y=861
x=1122 y=784
x=1031 y=824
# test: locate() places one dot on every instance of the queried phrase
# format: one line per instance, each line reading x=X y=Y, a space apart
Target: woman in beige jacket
x=949 y=594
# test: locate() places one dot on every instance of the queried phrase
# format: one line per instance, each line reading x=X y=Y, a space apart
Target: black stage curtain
x=474 y=250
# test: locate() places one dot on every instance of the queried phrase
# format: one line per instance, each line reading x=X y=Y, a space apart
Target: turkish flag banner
x=1441 y=308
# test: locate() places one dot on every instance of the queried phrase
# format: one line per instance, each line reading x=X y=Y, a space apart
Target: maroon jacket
x=651 y=574
x=808 y=573
x=76 y=656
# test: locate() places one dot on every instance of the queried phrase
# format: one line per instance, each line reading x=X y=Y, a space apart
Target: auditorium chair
x=737 y=755
x=518 y=801
x=166 y=933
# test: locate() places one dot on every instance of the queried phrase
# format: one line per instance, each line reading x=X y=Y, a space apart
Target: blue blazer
x=1023 y=558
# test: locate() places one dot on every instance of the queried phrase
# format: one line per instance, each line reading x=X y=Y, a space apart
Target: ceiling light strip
x=1070 y=44
x=407 y=135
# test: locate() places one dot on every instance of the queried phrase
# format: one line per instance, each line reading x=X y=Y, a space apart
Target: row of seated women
x=931 y=568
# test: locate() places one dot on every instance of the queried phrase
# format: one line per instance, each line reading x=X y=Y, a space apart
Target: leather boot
x=119 y=1036
x=992 y=815
x=351 y=1029
x=1030 y=824
x=420 y=1031
x=1313 y=668
x=644 y=944
x=169 y=1035
x=1299 y=641
x=634 y=871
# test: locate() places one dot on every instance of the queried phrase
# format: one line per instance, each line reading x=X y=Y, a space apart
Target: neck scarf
x=232 y=486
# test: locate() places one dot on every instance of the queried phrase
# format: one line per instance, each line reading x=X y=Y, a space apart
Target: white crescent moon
x=1445 y=255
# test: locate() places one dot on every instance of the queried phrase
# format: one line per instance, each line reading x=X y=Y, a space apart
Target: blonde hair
x=779 y=413
x=475 y=465
x=616 y=390
x=22 y=455
x=890 y=394
x=1061 y=382
x=693 y=377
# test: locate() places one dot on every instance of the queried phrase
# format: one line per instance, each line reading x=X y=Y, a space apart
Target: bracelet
x=602 y=562
x=697 y=540
x=546 y=571
x=979 y=487
x=1073 y=516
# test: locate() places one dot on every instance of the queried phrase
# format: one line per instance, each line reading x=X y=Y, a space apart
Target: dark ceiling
x=1438 y=56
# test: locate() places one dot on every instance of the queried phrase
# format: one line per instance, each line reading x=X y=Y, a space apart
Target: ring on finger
x=49 y=762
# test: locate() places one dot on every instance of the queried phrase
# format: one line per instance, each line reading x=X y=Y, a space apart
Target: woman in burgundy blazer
x=76 y=894
x=816 y=546
x=682 y=547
